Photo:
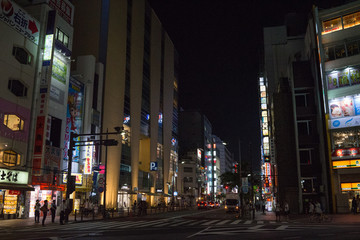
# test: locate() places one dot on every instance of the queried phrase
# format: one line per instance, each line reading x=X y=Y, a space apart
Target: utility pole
x=106 y=147
x=212 y=169
x=240 y=182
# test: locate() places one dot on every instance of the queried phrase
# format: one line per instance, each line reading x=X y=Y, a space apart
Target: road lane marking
x=210 y=222
x=260 y=222
x=282 y=227
x=255 y=227
x=236 y=222
x=248 y=222
x=223 y=222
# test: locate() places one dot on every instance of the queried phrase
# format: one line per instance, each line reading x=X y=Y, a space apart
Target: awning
x=20 y=187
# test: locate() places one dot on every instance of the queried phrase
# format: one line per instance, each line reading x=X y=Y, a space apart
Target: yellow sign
x=346 y=164
x=79 y=178
x=350 y=186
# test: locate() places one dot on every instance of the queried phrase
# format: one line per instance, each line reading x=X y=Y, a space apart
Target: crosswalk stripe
x=272 y=222
x=256 y=227
x=260 y=222
x=248 y=222
x=194 y=223
x=210 y=222
x=118 y=224
x=282 y=227
x=142 y=224
x=181 y=223
x=236 y=222
x=223 y=222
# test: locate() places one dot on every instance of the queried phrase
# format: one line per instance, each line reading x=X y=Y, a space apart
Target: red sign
x=64 y=8
x=14 y=192
x=345 y=152
x=45 y=186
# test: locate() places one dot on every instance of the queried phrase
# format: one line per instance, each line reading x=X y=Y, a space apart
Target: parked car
x=202 y=205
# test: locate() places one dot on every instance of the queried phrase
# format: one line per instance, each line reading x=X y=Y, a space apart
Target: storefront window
x=345 y=139
x=351 y=20
x=331 y=25
x=308 y=185
x=10 y=158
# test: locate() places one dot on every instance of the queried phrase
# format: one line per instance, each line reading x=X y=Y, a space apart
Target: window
x=352 y=48
x=10 y=158
x=305 y=156
x=331 y=25
x=304 y=127
x=301 y=99
x=17 y=88
x=351 y=20
x=188 y=169
x=62 y=37
x=308 y=185
x=23 y=56
x=340 y=51
x=13 y=122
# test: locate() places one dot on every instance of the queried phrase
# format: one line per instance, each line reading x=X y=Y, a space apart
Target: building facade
x=140 y=95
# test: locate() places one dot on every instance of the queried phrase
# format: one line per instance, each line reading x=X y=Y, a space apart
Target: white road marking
x=210 y=222
x=223 y=222
x=236 y=222
x=282 y=227
x=248 y=222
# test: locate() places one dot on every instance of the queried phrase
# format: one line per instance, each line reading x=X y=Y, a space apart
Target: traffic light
x=54 y=177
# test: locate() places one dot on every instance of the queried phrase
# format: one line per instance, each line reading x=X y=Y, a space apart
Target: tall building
x=296 y=142
x=140 y=95
x=335 y=34
x=226 y=159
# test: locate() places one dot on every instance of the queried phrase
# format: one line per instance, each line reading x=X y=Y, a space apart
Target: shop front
x=14 y=194
x=45 y=192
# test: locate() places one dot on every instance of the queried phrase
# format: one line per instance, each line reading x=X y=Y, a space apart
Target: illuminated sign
x=59 y=70
x=13 y=176
x=264 y=113
x=346 y=164
x=343 y=78
x=78 y=180
x=345 y=152
x=350 y=186
x=199 y=153
x=18 y=19
x=49 y=40
x=88 y=159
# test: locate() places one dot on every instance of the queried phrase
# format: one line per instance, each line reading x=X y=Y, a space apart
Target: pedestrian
x=53 y=211
x=277 y=211
x=37 y=211
x=45 y=210
x=286 y=210
x=62 y=212
x=134 y=207
x=358 y=202
x=263 y=206
x=354 y=205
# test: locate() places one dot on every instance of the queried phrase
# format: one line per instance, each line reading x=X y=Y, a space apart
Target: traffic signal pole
x=70 y=153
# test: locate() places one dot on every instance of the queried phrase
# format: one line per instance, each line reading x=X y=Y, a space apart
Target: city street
x=194 y=224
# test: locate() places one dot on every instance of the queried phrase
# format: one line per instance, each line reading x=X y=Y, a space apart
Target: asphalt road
x=207 y=224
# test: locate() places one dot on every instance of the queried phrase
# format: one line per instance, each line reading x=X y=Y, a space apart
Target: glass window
x=60 y=36
x=352 y=48
x=351 y=20
x=345 y=139
x=17 y=88
x=331 y=25
x=304 y=127
x=188 y=169
x=301 y=99
x=308 y=185
x=305 y=156
x=329 y=53
x=13 y=122
x=340 y=51
x=66 y=40
x=10 y=158
x=21 y=55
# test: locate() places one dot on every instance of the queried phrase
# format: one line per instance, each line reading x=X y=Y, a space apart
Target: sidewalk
x=346 y=218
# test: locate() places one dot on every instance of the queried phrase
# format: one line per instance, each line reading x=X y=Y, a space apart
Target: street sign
x=153 y=166
x=100 y=189
x=101 y=181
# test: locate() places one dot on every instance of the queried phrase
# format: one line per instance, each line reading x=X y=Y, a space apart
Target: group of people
x=141 y=208
x=279 y=209
x=64 y=211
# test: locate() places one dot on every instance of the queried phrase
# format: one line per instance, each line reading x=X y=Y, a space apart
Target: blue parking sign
x=153 y=166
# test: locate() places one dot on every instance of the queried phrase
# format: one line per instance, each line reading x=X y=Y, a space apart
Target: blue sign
x=153 y=166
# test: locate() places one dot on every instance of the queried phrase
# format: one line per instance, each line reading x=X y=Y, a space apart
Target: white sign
x=153 y=166
x=344 y=122
x=19 y=20
x=88 y=159
x=13 y=176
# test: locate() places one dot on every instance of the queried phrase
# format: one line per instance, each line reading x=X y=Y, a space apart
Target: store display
x=10 y=203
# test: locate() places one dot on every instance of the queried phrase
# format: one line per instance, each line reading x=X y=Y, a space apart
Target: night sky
x=220 y=44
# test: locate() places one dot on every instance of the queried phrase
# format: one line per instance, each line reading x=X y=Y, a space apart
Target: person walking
x=277 y=211
x=286 y=210
x=45 y=210
x=62 y=212
x=53 y=211
x=37 y=211
x=354 y=205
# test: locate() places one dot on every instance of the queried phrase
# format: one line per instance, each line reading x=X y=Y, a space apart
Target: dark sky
x=219 y=43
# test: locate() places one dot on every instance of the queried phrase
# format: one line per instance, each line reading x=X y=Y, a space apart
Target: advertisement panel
x=344 y=122
x=346 y=164
x=59 y=70
x=74 y=116
x=13 y=176
x=347 y=106
x=18 y=19
x=335 y=108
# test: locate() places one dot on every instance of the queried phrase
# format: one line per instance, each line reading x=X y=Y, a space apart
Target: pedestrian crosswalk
x=160 y=223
